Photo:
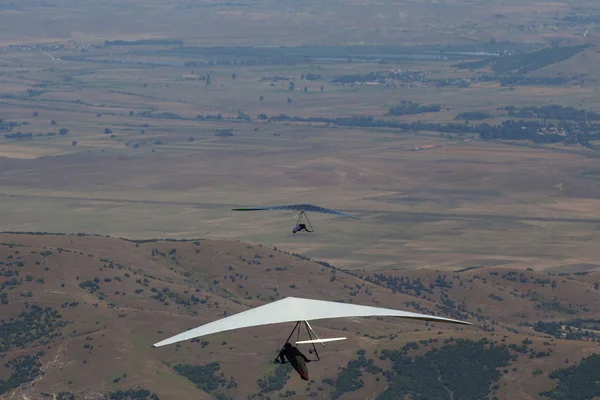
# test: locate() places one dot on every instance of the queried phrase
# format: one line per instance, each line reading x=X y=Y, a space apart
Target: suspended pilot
x=300 y=227
x=296 y=358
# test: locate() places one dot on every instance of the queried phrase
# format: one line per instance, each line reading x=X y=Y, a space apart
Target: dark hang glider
x=302 y=222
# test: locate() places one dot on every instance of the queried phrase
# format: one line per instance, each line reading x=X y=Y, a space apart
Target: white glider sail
x=335 y=339
x=293 y=309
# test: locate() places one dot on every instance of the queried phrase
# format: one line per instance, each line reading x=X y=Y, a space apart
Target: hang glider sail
x=301 y=209
x=293 y=309
x=298 y=207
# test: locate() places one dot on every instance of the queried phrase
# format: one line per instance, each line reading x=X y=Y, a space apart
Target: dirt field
x=460 y=202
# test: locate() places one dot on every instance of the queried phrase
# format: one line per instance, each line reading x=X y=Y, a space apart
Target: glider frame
x=299 y=217
x=309 y=329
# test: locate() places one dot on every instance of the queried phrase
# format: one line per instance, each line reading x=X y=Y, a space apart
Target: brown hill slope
x=79 y=314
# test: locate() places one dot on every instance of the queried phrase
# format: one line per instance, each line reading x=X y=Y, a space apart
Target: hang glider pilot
x=296 y=358
x=300 y=227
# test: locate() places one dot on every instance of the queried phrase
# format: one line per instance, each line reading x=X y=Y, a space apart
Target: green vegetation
x=464 y=370
x=577 y=382
x=408 y=108
x=577 y=329
x=25 y=369
x=401 y=284
x=205 y=378
x=91 y=286
x=532 y=130
x=30 y=326
x=528 y=62
x=132 y=394
x=553 y=111
x=348 y=379
x=275 y=381
x=164 y=294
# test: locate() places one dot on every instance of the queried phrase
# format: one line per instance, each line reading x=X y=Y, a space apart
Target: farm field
x=458 y=202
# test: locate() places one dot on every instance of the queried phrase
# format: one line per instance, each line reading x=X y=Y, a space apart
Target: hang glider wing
x=298 y=207
x=293 y=309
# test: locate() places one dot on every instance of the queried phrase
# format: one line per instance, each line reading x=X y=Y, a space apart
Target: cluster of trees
x=576 y=329
x=513 y=276
x=91 y=285
x=24 y=369
x=165 y=294
x=29 y=135
x=554 y=306
x=465 y=370
x=30 y=326
x=205 y=376
x=399 y=78
x=132 y=394
x=163 y=115
x=516 y=80
x=577 y=382
x=377 y=76
x=555 y=112
x=410 y=108
x=348 y=379
x=525 y=62
x=224 y=132
x=275 y=381
x=400 y=284
x=6 y=126
x=535 y=131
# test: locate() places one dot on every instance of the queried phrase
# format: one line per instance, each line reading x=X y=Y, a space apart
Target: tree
x=107 y=131
x=233 y=76
x=130 y=113
x=289 y=100
x=35 y=114
x=262 y=98
x=74 y=143
x=63 y=131
x=322 y=88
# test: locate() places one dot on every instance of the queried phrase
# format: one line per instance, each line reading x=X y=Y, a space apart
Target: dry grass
x=443 y=207
x=121 y=334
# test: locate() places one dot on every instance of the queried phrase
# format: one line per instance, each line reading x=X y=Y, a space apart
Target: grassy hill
x=80 y=312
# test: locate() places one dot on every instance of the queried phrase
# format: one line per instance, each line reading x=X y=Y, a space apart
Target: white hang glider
x=300 y=311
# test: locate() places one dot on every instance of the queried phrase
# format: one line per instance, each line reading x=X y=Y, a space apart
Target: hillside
x=80 y=312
